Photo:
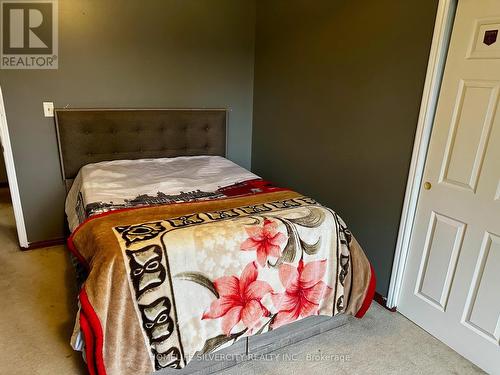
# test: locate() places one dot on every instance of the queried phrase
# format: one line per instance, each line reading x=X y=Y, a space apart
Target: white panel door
x=451 y=284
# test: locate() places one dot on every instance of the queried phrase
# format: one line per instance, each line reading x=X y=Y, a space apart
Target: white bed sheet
x=115 y=182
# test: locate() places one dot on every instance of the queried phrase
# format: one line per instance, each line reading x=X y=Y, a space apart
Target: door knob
x=427 y=185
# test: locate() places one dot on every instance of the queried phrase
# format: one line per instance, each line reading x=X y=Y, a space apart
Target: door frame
x=435 y=68
x=11 y=176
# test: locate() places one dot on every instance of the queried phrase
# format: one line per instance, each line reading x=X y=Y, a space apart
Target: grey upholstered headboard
x=93 y=135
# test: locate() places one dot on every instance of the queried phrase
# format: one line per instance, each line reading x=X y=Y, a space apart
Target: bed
x=186 y=253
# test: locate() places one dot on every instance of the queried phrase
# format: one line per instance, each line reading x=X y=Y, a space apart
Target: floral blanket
x=168 y=282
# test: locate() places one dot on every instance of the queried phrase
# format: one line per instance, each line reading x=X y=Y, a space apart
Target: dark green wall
x=3 y=172
x=155 y=53
x=337 y=92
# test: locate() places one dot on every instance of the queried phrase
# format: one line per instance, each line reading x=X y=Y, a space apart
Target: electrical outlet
x=48 y=109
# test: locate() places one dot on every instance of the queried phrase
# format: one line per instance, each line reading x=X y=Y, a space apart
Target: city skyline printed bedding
x=113 y=185
x=171 y=280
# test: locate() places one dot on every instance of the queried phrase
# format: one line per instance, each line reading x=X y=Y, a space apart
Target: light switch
x=48 y=109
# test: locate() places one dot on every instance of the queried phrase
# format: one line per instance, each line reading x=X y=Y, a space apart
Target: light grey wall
x=156 y=53
x=338 y=85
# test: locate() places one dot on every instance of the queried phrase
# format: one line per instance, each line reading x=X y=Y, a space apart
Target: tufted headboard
x=93 y=135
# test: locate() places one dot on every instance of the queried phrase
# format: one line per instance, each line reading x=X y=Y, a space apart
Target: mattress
x=185 y=256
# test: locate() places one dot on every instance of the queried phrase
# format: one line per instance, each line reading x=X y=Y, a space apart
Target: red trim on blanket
x=369 y=294
x=232 y=191
x=94 y=336
x=249 y=187
x=88 y=338
x=76 y=253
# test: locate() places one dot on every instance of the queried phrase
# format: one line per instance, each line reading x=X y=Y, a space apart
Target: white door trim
x=435 y=68
x=11 y=176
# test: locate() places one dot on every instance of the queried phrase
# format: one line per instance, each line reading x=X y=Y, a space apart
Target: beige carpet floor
x=37 y=291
